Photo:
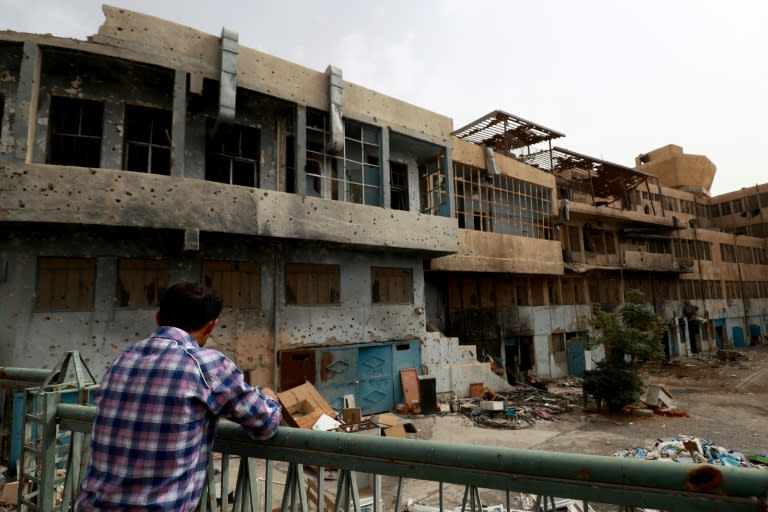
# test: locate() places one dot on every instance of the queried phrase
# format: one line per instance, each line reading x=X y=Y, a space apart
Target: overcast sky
x=618 y=78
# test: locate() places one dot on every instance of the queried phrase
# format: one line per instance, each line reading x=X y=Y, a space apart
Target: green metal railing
x=678 y=487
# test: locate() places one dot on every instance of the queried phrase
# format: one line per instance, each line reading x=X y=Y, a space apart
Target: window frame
x=69 y=274
x=152 y=274
x=316 y=275
x=152 y=116
x=76 y=140
x=231 y=278
x=380 y=273
x=227 y=145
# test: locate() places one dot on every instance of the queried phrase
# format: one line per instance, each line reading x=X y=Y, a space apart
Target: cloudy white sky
x=618 y=78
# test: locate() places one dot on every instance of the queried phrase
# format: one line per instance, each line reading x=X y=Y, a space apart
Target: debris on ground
x=528 y=502
x=518 y=408
x=683 y=448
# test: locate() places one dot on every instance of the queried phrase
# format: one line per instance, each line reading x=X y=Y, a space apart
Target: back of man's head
x=189 y=306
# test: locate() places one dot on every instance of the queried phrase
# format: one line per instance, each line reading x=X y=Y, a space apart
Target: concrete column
x=26 y=101
x=270 y=146
x=113 y=132
x=301 y=150
x=179 y=123
x=448 y=172
x=386 y=181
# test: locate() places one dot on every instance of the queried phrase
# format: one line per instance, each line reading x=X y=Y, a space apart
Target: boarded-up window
x=237 y=283
x=75 y=132
x=392 y=285
x=140 y=283
x=65 y=284
x=307 y=283
x=557 y=342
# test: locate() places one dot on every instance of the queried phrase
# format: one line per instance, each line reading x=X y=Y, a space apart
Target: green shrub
x=616 y=386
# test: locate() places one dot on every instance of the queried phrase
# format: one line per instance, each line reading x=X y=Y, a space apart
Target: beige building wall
x=198 y=53
x=676 y=169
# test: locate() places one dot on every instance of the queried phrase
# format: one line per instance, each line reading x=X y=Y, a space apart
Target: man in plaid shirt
x=158 y=406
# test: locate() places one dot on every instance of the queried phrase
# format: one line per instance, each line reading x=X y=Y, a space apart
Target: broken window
x=65 y=284
x=431 y=188
x=392 y=285
x=502 y=204
x=353 y=176
x=557 y=342
x=728 y=253
x=398 y=177
x=308 y=284
x=147 y=140
x=232 y=155
x=237 y=283
x=290 y=164
x=141 y=282
x=75 y=132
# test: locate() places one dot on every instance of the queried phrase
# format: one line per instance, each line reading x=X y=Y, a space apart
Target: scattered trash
x=684 y=448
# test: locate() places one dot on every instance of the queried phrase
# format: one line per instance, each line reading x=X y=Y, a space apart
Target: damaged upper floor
x=202 y=134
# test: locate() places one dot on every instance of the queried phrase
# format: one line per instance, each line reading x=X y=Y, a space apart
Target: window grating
x=502 y=204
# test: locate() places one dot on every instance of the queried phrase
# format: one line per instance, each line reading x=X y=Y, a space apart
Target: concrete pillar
x=179 y=123
x=386 y=181
x=448 y=173
x=26 y=101
x=301 y=150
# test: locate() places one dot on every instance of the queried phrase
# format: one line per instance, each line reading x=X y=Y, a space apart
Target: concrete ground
x=725 y=402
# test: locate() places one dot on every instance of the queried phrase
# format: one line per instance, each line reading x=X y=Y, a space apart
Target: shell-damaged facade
x=349 y=233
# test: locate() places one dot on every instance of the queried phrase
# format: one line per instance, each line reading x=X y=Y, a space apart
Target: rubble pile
x=518 y=408
x=684 y=448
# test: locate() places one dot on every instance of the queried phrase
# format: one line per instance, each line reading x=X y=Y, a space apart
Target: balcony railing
x=59 y=445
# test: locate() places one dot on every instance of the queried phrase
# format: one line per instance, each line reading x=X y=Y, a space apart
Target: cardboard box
x=395 y=431
x=10 y=493
x=304 y=405
x=352 y=415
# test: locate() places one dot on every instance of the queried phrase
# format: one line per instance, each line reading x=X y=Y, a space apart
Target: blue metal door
x=405 y=354
x=738 y=336
x=375 y=389
x=577 y=363
x=336 y=375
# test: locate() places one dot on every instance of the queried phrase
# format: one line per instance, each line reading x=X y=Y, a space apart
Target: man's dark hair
x=189 y=306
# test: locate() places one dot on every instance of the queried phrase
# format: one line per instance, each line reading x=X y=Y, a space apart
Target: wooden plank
x=409 y=377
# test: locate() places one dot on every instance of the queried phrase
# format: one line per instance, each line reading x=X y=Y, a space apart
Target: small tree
x=630 y=335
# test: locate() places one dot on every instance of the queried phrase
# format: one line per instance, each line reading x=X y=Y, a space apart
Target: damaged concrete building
x=350 y=234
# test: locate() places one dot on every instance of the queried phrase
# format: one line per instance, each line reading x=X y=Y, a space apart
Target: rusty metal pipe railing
x=680 y=487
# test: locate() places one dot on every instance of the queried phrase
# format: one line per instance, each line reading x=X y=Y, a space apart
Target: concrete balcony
x=653 y=262
x=38 y=193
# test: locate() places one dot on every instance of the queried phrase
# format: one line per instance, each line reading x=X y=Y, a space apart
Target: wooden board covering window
x=140 y=282
x=237 y=283
x=392 y=285
x=66 y=283
x=310 y=283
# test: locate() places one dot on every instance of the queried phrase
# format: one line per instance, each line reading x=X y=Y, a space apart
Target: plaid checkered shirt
x=158 y=406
